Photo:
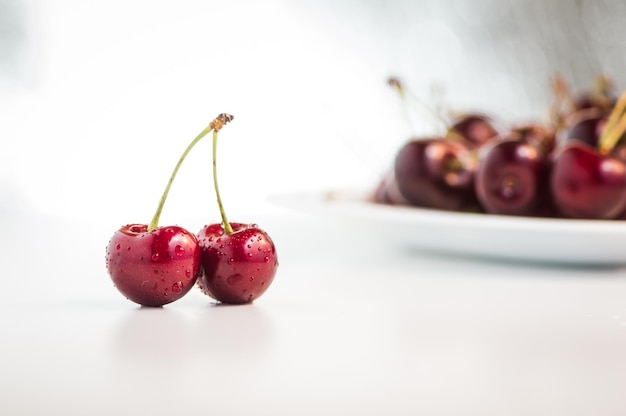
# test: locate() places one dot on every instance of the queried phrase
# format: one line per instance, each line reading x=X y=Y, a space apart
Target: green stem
x=615 y=126
x=155 y=220
x=227 y=227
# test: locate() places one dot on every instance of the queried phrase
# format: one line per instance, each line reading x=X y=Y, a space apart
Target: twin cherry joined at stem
x=231 y=262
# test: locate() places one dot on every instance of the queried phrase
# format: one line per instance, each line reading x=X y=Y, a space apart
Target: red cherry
x=510 y=177
x=239 y=261
x=587 y=184
x=477 y=129
x=238 y=267
x=153 y=268
x=436 y=173
x=153 y=265
x=585 y=125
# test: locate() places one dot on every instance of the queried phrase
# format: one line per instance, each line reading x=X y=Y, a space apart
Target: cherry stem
x=564 y=100
x=615 y=127
x=405 y=95
x=227 y=227
x=216 y=125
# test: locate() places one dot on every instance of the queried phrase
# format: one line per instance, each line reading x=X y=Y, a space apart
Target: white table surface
x=351 y=326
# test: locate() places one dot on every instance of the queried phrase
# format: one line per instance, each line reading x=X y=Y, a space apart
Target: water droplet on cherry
x=179 y=250
x=177 y=287
x=155 y=256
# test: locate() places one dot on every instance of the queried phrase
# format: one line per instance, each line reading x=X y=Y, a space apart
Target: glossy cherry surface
x=153 y=268
x=510 y=177
x=586 y=184
x=237 y=267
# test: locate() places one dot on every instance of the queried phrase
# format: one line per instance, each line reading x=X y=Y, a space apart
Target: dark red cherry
x=436 y=173
x=587 y=184
x=475 y=128
x=585 y=126
x=511 y=177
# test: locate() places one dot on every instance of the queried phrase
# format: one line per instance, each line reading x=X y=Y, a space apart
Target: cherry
x=589 y=182
x=153 y=268
x=239 y=261
x=477 y=129
x=152 y=265
x=585 y=125
x=511 y=176
x=436 y=173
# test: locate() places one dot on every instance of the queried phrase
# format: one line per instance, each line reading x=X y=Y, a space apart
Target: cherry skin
x=510 y=177
x=586 y=126
x=153 y=268
x=477 y=129
x=237 y=267
x=587 y=184
x=436 y=173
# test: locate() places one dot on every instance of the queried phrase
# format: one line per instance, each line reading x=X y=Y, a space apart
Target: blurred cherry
x=436 y=173
x=590 y=182
x=512 y=173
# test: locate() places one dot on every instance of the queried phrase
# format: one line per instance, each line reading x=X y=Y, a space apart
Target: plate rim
x=350 y=198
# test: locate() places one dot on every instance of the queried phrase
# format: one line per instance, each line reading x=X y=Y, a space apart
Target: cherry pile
x=230 y=262
x=571 y=166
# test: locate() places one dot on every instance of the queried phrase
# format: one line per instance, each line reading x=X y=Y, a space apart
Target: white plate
x=545 y=240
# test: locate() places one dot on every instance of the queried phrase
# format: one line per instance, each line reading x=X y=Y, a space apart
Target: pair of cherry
x=230 y=262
